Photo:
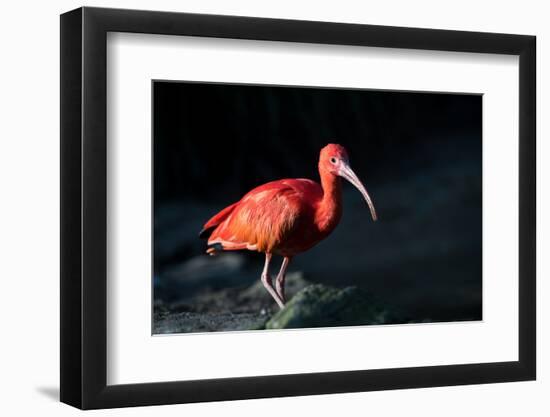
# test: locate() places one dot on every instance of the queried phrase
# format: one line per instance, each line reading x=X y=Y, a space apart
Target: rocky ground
x=251 y=308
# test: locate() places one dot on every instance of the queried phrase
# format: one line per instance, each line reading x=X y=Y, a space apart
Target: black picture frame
x=84 y=207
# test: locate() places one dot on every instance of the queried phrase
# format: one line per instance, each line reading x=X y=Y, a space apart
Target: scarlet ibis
x=285 y=217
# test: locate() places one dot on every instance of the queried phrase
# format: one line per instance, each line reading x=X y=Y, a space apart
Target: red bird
x=285 y=217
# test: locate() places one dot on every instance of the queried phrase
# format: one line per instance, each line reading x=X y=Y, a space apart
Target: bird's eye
x=333 y=160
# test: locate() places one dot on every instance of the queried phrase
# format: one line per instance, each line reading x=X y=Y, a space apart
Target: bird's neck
x=329 y=210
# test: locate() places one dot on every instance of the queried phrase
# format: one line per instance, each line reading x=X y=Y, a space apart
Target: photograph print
x=293 y=207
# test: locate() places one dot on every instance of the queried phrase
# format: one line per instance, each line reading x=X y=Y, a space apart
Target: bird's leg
x=280 y=281
x=266 y=280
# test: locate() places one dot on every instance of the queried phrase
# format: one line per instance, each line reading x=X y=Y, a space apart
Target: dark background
x=418 y=154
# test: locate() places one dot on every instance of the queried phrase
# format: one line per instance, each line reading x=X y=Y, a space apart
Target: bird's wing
x=263 y=217
x=215 y=221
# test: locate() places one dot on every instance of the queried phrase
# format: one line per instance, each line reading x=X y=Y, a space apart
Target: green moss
x=323 y=306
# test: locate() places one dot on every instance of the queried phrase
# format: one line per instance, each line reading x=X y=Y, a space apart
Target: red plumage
x=277 y=217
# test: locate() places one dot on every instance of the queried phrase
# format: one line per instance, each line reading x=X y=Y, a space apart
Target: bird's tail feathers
x=215 y=221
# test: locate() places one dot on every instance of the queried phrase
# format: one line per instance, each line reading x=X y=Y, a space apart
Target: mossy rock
x=323 y=306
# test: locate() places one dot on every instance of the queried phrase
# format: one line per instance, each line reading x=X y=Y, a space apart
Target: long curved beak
x=346 y=172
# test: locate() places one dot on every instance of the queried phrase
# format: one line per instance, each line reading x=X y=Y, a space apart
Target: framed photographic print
x=257 y=207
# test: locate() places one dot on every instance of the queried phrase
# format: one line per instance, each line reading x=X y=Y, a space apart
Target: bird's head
x=334 y=160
